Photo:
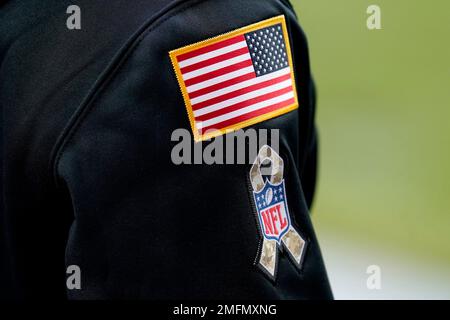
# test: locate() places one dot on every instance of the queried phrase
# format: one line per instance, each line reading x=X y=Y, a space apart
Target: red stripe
x=211 y=47
x=222 y=85
x=248 y=116
x=214 y=60
x=218 y=73
x=240 y=92
x=244 y=104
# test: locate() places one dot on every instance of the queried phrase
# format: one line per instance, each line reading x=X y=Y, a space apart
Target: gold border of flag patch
x=262 y=24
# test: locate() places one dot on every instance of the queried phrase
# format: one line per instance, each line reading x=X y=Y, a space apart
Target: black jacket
x=87 y=173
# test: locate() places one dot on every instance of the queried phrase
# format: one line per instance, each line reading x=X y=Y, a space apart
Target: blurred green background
x=384 y=121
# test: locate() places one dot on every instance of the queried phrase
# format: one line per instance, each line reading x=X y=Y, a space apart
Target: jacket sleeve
x=146 y=227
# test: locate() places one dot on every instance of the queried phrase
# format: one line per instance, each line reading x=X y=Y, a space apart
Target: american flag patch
x=237 y=79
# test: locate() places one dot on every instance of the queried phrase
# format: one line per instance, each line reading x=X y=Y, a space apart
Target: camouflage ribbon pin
x=272 y=211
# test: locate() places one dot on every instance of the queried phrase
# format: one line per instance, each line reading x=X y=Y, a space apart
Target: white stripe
x=216 y=66
x=237 y=113
x=212 y=54
x=244 y=97
x=219 y=79
x=240 y=85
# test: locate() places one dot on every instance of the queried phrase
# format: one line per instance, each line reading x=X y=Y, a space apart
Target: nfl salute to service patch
x=237 y=79
x=273 y=216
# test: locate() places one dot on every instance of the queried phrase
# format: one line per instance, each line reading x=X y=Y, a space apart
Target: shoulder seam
x=121 y=57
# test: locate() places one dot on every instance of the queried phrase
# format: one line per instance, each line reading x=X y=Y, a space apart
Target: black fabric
x=88 y=178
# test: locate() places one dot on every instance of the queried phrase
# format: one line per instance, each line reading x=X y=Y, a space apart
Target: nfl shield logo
x=272 y=211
